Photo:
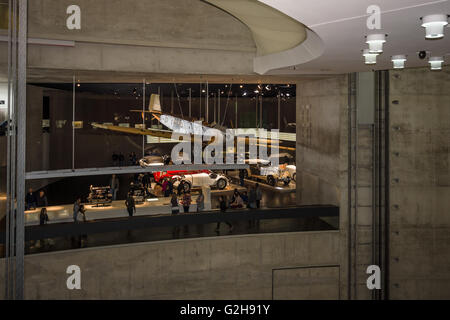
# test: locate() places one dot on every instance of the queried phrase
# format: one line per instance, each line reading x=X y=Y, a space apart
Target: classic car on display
x=190 y=179
x=152 y=161
x=292 y=172
x=261 y=170
x=100 y=196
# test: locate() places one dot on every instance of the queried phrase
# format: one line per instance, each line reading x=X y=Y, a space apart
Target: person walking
x=200 y=202
x=252 y=199
x=43 y=219
x=223 y=208
x=186 y=202
x=114 y=184
x=76 y=209
x=241 y=177
x=175 y=206
x=130 y=204
x=258 y=196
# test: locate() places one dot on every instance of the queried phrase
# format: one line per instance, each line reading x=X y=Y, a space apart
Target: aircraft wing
x=144 y=132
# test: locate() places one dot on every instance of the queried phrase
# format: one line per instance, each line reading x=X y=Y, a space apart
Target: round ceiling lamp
x=436 y=63
x=375 y=42
x=399 y=61
x=434 y=25
x=370 y=58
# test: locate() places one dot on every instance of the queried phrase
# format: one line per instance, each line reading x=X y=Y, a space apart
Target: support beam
x=21 y=143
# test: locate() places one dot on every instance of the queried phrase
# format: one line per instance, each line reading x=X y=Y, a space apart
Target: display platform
x=291 y=188
x=61 y=214
x=279 y=188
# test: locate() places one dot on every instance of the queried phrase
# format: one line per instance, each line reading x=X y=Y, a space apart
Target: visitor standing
x=130 y=204
x=114 y=184
x=223 y=208
x=186 y=202
x=200 y=202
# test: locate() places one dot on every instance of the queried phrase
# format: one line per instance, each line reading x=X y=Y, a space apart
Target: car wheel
x=271 y=181
x=186 y=186
x=294 y=177
x=221 y=184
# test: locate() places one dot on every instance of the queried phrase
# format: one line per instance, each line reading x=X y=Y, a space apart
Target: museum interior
x=272 y=149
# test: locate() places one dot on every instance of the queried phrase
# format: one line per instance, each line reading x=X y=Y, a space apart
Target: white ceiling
x=342 y=27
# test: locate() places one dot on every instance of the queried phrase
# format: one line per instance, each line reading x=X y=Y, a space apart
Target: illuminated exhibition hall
x=224 y=150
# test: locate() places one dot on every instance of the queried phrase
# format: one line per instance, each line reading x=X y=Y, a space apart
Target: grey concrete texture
x=320 y=112
x=235 y=267
x=177 y=36
x=420 y=184
x=158 y=23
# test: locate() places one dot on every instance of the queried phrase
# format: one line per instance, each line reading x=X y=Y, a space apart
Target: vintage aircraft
x=185 y=127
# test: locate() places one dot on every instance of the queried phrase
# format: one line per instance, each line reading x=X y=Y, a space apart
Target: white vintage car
x=151 y=161
x=292 y=172
x=210 y=179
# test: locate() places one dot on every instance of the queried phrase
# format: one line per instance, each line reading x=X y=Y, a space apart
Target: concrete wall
x=235 y=267
x=177 y=36
x=321 y=106
x=420 y=184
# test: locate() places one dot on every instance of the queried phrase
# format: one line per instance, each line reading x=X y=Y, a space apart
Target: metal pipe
x=236 y=112
x=279 y=110
x=207 y=102
x=260 y=112
x=8 y=158
x=218 y=106
x=355 y=258
x=349 y=186
x=21 y=145
x=13 y=132
x=73 y=121
x=143 y=116
x=190 y=103
x=386 y=184
x=256 y=115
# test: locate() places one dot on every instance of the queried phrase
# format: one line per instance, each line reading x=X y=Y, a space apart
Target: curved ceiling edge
x=281 y=40
x=312 y=48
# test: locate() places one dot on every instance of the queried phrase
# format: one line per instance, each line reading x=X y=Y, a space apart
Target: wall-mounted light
x=434 y=25
x=375 y=42
x=399 y=61
x=436 y=63
x=370 y=58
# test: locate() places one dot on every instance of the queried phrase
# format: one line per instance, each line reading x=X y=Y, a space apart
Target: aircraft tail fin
x=155 y=104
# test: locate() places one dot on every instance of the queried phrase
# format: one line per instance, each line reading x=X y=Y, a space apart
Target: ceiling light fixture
x=399 y=61
x=434 y=25
x=370 y=58
x=375 y=42
x=436 y=63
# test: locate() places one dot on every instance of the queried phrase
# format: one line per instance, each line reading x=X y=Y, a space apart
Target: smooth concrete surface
x=177 y=36
x=420 y=184
x=320 y=106
x=317 y=282
x=231 y=267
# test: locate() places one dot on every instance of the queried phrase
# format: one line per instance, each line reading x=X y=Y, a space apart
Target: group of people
x=252 y=200
x=185 y=200
x=33 y=202
x=118 y=159
x=238 y=200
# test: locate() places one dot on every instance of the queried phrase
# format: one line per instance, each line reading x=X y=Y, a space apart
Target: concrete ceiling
x=342 y=27
x=273 y=31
